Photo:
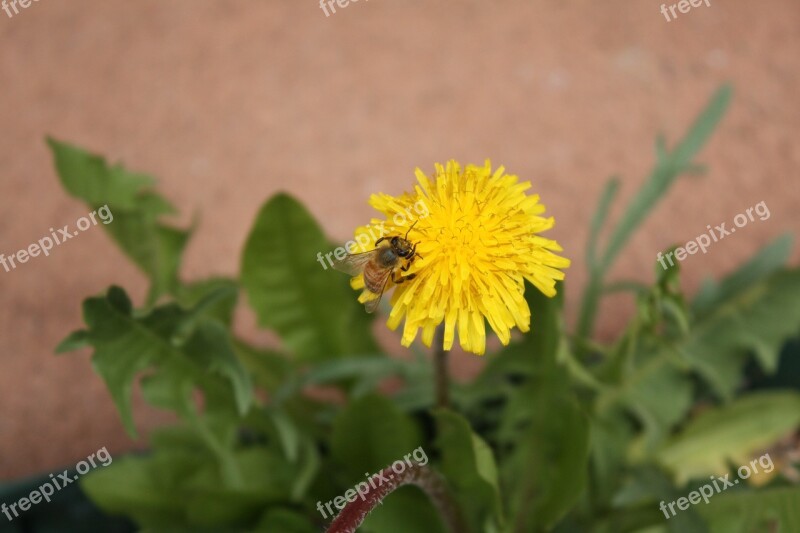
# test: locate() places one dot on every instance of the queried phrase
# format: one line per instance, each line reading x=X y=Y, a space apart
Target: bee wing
x=353 y=264
x=372 y=305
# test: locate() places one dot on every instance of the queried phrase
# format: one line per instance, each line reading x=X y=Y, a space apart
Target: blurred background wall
x=228 y=102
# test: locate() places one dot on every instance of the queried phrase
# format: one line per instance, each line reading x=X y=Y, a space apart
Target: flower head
x=478 y=241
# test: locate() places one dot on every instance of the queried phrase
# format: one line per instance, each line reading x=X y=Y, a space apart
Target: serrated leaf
x=154 y=247
x=723 y=436
x=759 y=319
x=126 y=345
x=88 y=177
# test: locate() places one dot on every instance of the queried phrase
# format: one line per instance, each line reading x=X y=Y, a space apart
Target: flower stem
x=354 y=513
x=440 y=369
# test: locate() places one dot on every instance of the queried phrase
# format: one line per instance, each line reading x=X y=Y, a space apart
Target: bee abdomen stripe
x=374 y=278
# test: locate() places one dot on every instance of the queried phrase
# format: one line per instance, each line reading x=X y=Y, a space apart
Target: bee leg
x=379 y=241
x=414 y=251
x=400 y=279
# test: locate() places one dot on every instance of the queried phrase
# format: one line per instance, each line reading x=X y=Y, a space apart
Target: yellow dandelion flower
x=477 y=238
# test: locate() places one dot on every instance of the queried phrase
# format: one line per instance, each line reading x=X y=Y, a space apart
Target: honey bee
x=381 y=264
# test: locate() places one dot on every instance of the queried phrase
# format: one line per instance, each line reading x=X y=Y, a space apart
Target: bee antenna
x=409 y=229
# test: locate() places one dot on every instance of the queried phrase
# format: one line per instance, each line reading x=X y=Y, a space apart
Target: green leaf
x=754 y=512
x=764 y=263
x=155 y=248
x=180 y=487
x=89 y=178
x=406 y=509
x=660 y=396
x=599 y=219
x=269 y=369
x=74 y=341
x=757 y=320
x=215 y=297
x=210 y=346
x=128 y=487
x=200 y=357
x=640 y=501
x=538 y=348
x=669 y=166
x=611 y=434
x=728 y=435
x=547 y=329
x=469 y=466
x=286 y=432
x=546 y=469
x=134 y=212
x=266 y=478
x=311 y=308
x=356 y=375
x=369 y=434
x=285 y=521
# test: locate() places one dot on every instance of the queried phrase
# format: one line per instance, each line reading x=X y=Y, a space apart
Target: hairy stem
x=354 y=513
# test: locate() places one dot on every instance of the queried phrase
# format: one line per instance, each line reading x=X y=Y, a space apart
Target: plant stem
x=354 y=513
x=440 y=369
x=589 y=305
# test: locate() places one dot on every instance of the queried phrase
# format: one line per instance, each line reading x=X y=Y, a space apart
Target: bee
x=381 y=264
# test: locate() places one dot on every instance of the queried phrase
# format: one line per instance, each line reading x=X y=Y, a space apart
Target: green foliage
x=558 y=432
x=290 y=292
x=749 y=512
x=369 y=434
x=469 y=464
x=153 y=246
x=729 y=434
x=669 y=166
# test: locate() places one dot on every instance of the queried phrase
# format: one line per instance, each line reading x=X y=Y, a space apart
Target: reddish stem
x=354 y=513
